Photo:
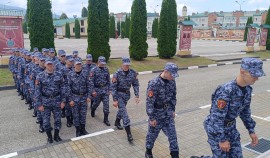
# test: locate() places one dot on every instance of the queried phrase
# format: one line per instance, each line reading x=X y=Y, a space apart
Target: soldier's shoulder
x=133 y=71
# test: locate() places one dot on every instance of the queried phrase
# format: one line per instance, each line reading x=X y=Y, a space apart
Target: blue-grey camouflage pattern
x=100 y=78
x=160 y=106
x=50 y=92
x=120 y=87
x=88 y=67
x=79 y=89
x=228 y=102
x=11 y=66
x=254 y=66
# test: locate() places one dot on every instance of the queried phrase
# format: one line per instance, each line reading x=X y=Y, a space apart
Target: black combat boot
x=22 y=97
x=78 y=131
x=30 y=107
x=69 y=124
x=34 y=113
x=63 y=115
x=148 y=153
x=56 y=135
x=117 y=124
x=174 y=154
x=41 y=129
x=83 y=131
x=49 y=134
x=106 y=120
x=93 y=112
x=129 y=135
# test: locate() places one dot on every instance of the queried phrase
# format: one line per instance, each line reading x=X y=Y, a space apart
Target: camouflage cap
x=89 y=57
x=48 y=61
x=102 y=60
x=70 y=58
x=61 y=52
x=172 y=68
x=51 y=50
x=253 y=66
x=35 y=49
x=75 y=52
x=126 y=61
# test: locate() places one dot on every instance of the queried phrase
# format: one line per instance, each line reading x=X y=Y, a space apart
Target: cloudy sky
x=73 y=7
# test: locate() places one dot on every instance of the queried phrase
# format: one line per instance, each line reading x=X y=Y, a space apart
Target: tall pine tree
x=40 y=24
x=167 y=32
x=127 y=26
x=77 y=29
x=112 y=27
x=249 y=21
x=123 y=31
x=84 y=12
x=155 y=28
x=67 y=28
x=267 y=22
x=138 y=32
x=98 y=29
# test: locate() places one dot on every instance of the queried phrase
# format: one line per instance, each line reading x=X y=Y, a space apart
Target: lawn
x=262 y=55
x=5 y=77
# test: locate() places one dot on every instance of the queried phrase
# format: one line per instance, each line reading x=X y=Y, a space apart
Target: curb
x=218 y=40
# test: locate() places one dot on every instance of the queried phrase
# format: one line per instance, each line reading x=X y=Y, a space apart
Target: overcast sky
x=74 y=7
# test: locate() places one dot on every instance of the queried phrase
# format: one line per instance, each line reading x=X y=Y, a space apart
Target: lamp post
x=240 y=4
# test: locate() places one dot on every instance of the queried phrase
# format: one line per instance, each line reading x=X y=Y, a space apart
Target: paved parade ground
x=19 y=133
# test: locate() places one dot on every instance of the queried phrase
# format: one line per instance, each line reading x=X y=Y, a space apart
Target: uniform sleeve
x=245 y=116
x=37 y=94
x=151 y=94
x=173 y=99
x=135 y=85
x=62 y=89
x=69 y=84
x=114 y=86
x=108 y=81
x=89 y=84
x=219 y=110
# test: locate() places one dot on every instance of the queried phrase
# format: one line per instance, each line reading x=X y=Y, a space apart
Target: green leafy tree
x=84 y=12
x=138 y=32
x=63 y=16
x=127 y=26
x=155 y=28
x=98 y=29
x=77 y=29
x=267 y=21
x=118 y=28
x=167 y=32
x=112 y=27
x=123 y=31
x=25 y=28
x=67 y=30
x=40 y=24
x=249 y=21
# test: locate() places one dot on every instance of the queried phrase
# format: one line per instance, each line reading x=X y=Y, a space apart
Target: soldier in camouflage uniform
x=160 y=107
x=79 y=90
x=229 y=101
x=100 y=77
x=75 y=56
x=62 y=60
x=122 y=80
x=50 y=97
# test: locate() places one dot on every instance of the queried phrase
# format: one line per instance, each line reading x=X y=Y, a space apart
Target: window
x=73 y=30
x=82 y=30
x=82 y=22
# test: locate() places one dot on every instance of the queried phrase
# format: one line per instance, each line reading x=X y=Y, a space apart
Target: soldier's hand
x=88 y=100
x=254 y=139
x=173 y=114
x=41 y=108
x=137 y=100
x=153 y=123
x=225 y=146
x=71 y=103
x=94 y=94
x=115 y=104
x=62 y=105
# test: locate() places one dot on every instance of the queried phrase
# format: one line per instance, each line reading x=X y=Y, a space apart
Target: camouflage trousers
x=79 y=111
x=105 y=100
x=122 y=110
x=165 y=123
x=46 y=116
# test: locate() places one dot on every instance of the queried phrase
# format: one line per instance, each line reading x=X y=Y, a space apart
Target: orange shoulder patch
x=36 y=82
x=91 y=74
x=221 y=104
x=150 y=93
x=114 y=80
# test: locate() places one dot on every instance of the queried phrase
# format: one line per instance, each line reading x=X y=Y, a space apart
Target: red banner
x=185 y=38
x=251 y=36
x=11 y=34
x=263 y=36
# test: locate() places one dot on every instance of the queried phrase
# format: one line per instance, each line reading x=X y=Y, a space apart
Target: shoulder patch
x=36 y=82
x=114 y=80
x=150 y=93
x=221 y=104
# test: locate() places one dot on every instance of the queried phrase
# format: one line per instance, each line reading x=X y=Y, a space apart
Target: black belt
x=51 y=96
x=161 y=106
x=229 y=123
x=80 y=94
x=123 y=90
x=100 y=86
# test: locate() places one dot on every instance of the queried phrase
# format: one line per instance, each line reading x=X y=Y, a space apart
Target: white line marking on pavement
x=206 y=106
x=209 y=55
x=229 y=63
x=258 y=117
x=267 y=118
x=267 y=59
x=145 y=72
x=193 y=67
x=212 y=65
x=268 y=90
x=252 y=94
x=93 y=134
x=9 y=155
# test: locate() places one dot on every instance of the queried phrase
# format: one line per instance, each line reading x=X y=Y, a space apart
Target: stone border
x=229 y=40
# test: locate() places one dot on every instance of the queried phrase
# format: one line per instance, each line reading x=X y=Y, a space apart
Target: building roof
x=199 y=15
x=9 y=12
x=254 y=25
x=63 y=22
x=152 y=15
x=185 y=23
x=265 y=26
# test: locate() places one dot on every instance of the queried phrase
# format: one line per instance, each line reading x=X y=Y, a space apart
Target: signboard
x=185 y=37
x=251 y=36
x=263 y=36
x=11 y=33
